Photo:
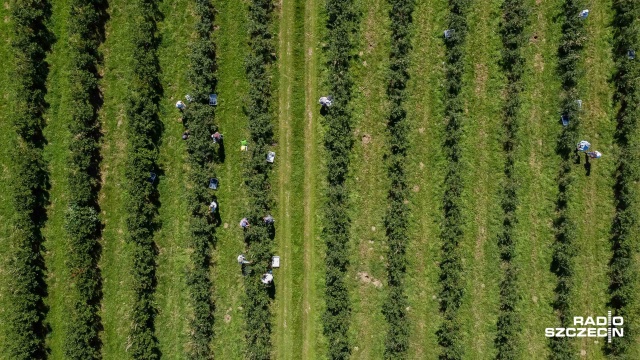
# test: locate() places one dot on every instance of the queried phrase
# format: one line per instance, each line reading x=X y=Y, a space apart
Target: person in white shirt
x=213 y=207
x=242 y=260
x=267 y=278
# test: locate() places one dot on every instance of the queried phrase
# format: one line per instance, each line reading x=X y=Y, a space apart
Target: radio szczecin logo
x=599 y=326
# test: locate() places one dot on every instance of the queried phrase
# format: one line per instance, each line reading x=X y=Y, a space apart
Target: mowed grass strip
x=7 y=136
x=290 y=239
x=482 y=161
x=313 y=345
x=593 y=200
x=174 y=312
x=116 y=261
x=231 y=44
x=425 y=170
x=369 y=181
x=59 y=277
x=536 y=170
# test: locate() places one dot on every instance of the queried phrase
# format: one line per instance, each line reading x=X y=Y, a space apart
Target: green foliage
x=623 y=274
x=338 y=141
x=396 y=219
x=259 y=236
x=199 y=118
x=30 y=42
x=82 y=223
x=515 y=20
x=564 y=251
x=143 y=132
x=451 y=266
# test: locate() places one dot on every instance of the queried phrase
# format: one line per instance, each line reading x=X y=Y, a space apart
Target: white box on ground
x=275 y=262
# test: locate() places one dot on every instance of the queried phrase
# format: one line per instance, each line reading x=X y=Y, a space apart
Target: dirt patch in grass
x=368 y=279
x=538 y=63
x=482 y=74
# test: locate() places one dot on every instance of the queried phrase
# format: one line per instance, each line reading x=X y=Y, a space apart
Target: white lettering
x=617 y=320
x=602 y=332
x=617 y=332
x=578 y=320
x=548 y=332
x=589 y=321
x=560 y=332
x=601 y=320
x=571 y=332
x=591 y=332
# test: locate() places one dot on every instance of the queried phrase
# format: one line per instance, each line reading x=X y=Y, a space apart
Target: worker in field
x=216 y=137
x=244 y=223
x=243 y=145
x=180 y=105
x=268 y=220
x=213 y=207
x=583 y=146
x=326 y=101
x=267 y=278
x=185 y=135
x=594 y=154
x=242 y=260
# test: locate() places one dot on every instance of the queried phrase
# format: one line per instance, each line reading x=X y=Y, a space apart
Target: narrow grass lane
x=231 y=49
x=7 y=134
x=290 y=163
x=368 y=272
x=483 y=160
x=117 y=301
x=425 y=172
x=311 y=302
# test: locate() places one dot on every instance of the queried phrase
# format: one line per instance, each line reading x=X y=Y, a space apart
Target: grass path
x=115 y=261
x=290 y=167
x=296 y=304
x=7 y=134
x=536 y=169
x=483 y=160
x=172 y=239
x=56 y=132
x=311 y=303
x=594 y=207
x=425 y=169
x=231 y=42
x=367 y=273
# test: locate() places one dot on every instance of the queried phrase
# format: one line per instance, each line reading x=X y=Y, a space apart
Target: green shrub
x=623 y=269
x=143 y=132
x=451 y=266
x=514 y=22
x=30 y=43
x=396 y=219
x=199 y=119
x=338 y=141
x=259 y=236
x=81 y=222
